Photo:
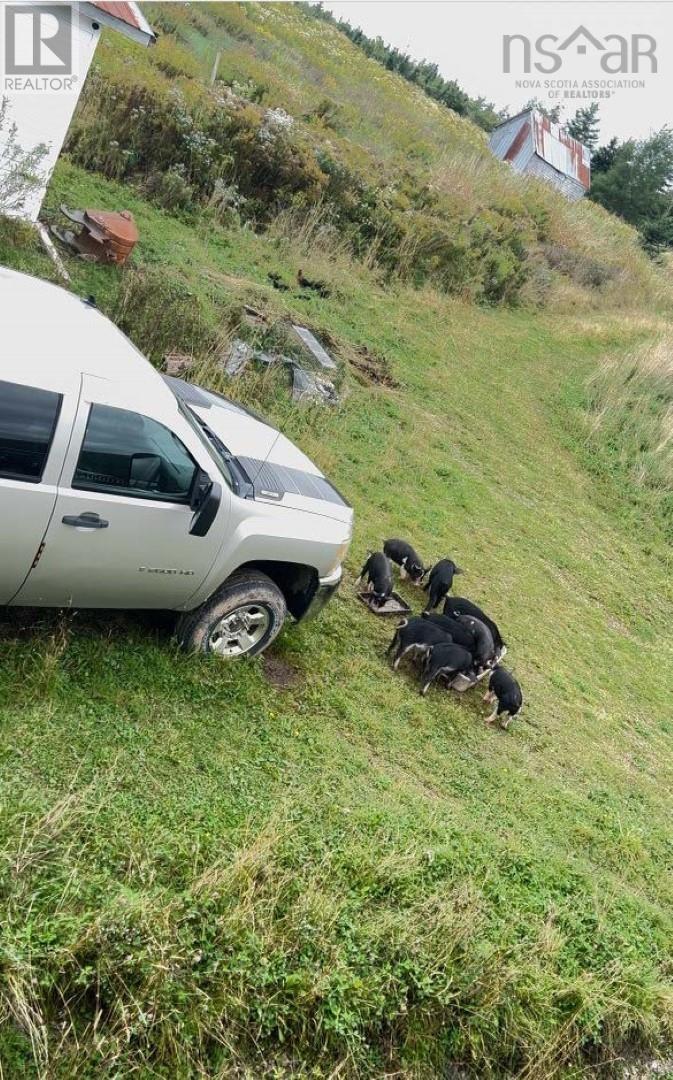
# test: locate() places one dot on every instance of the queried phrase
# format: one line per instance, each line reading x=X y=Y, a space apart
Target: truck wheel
x=241 y=619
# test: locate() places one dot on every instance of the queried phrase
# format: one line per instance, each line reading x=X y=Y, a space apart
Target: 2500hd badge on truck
x=120 y=488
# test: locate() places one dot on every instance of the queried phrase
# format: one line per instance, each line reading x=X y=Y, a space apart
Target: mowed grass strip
x=202 y=873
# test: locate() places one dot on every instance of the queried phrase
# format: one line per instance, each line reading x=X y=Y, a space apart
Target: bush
x=146 y=131
x=160 y=314
x=226 y=204
x=19 y=168
x=170 y=189
x=578 y=267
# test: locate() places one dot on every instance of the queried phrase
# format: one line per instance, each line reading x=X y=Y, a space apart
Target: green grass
x=205 y=876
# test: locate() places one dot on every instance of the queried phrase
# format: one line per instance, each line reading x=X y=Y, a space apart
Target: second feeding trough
x=394 y=605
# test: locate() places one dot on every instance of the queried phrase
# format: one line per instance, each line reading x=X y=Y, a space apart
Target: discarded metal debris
x=307 y=386
x=104 y=236
x=238 y=357
x=310 y=342
x=177 y=364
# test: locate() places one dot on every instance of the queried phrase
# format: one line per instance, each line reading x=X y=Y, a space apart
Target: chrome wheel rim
x=239 y=631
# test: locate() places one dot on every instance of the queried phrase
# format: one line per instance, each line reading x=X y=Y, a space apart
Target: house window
x=126 y=453
x=27 y=421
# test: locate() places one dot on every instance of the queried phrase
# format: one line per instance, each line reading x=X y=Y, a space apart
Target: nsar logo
x=616 y=54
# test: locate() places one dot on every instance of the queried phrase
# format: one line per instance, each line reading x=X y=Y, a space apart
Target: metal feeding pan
x=394 y=605
x=461 y=683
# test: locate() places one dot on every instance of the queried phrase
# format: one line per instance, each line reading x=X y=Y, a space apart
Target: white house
x=45 y=53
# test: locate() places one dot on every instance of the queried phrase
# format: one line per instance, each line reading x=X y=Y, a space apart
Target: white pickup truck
x=120 y=488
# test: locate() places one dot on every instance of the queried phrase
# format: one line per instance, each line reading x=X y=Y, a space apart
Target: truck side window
x=27 y=421
x=126 y=453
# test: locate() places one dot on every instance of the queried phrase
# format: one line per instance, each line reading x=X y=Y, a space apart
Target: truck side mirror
x=206 y=512
x=201 y=485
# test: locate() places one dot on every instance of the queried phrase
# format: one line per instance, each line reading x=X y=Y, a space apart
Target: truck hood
x=278 y=470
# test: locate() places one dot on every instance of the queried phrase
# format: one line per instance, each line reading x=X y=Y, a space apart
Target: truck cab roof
x=51 y=337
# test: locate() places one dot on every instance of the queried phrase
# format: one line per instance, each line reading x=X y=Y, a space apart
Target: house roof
x=122 y=15
x=509 y=119
x=530 y=132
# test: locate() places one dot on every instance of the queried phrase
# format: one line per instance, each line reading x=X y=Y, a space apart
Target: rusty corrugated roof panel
x=555 y=146
x=531 y=143
x=518 y=142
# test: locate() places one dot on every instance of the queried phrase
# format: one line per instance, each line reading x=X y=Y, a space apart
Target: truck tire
x=241 y=619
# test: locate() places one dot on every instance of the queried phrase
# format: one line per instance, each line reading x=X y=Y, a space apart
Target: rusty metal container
x=105 y=236
x=120 y=231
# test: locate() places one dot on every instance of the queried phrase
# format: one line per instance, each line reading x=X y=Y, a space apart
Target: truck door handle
x=85 y=521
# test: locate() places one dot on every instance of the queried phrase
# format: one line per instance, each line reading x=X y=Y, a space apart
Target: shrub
x=170 y=189
x=578 y=267
x=160 y=313
x=328 y=112
x=19 y=168
x=139 y=131
x=226 y=204
x=249 y=89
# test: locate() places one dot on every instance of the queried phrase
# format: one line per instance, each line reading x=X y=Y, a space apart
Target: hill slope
x=207 y=875
x=410 y=186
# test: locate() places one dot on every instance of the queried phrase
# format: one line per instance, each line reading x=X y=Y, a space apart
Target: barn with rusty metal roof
x=534 y=145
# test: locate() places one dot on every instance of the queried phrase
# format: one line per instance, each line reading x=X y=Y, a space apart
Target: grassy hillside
x=407 y=184
x=203 y=873
x=299 y=868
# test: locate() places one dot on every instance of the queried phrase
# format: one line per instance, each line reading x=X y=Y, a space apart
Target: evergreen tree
x=603 y=158
x=584 y=126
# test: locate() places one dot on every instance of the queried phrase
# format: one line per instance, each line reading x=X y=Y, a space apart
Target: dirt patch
x=280 y=674
x=372 y=367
